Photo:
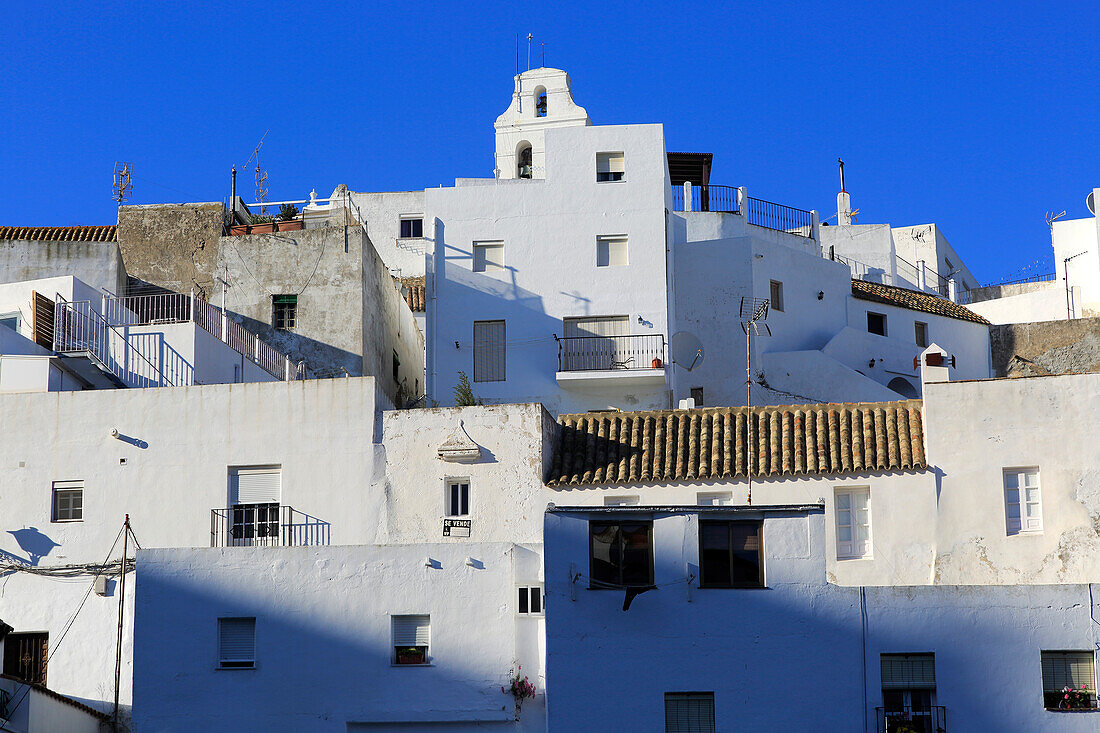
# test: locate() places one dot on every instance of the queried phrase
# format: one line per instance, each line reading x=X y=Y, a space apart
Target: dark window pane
x=714 y=553
x=745 y=541
x=637 y=554
x=464 y=492
x=605 y=565
x=523 y=600
x=536 y=600
x=406 y=228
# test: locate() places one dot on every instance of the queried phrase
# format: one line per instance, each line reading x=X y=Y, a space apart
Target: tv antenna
x=261 y=174
x=754 y=313
x=124 y=181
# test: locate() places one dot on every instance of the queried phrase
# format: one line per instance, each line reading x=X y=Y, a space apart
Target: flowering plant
x=1075 y=698
x=519 y=686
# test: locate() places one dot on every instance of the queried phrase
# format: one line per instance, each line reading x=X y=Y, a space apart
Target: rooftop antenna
x=841 y=162
x=844 y=213
x=261 y=174
x=754 y=313
x=124 y=181
x=543 y=44
x=529 y=37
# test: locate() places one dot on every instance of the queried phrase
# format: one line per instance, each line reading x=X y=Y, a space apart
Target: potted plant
x=411 y=655
x=1075 y=699
x=261 y=224
x=519 y=687
x=288 y=218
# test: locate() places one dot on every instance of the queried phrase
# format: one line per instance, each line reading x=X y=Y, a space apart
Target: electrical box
x=101 y=586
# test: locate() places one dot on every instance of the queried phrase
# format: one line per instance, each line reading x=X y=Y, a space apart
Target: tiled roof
x=913 y=300
x=59 y=697
x=61 y=234
x=685 y=445
x=414 y=292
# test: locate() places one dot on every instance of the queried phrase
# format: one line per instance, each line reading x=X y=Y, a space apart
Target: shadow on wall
x=171 y=364
x=322 y=360
x=32 y=542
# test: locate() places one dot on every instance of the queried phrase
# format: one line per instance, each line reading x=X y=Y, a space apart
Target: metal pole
x=233 y=200
x=121 y=607
x=1065 y=266
x=748 y=405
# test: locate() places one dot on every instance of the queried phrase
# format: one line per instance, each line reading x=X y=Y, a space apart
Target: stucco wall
x=1012 y=305
x=172 y=245
x=1078 y=240
x=382 y=214
x=97 y=263
x=1056 y=346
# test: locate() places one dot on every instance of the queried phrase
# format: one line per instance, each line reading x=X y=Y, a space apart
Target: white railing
x=140 y=310
x=79 y=328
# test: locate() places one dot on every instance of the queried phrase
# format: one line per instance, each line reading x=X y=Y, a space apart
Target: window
x=1066 y=669
x=396 y=367
x=909 y=690
x=853 y=523
x=697 y=396
x=68 y=501
x=254 y=505
x=412 y=228
x=611 y=251
x=489 y=355
x=610 y=167
x=689 y=712
x=621 y=554
x=595 y=344
x=876 y=323
x=411 y=637
x=458 y=497
x=523 y=161
x=488 y=256
x=921 y=334
x=715 y=498
x=284 y=311
x=25 y=656
x=731 y=555
x=237 y=643
x=1023 y=503
x=10 y=320
x=530 y=600
x=621 y=500
x=776 y=296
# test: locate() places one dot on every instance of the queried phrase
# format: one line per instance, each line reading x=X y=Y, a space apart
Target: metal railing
x=779 y=217
x=930 y=719
x=141 y=310
x=265 y=525
x=610 y=353
x=711 y=197
x=79 y=328
x=1020 y=281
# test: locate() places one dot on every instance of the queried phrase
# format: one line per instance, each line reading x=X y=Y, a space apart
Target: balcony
x=265 y=525
x=929 y=719
x=587 y=361
x=758 y=212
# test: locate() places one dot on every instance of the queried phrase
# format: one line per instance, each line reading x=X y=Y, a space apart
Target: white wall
x=34 y=711
x=382 y=214
x=1078 y=238
x=1046 y=304
x=323 y=639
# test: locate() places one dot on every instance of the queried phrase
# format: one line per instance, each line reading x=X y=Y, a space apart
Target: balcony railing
x=930 y=719
x=779 y=217
x=712 y=197
x=610 y=353
x=265 y=525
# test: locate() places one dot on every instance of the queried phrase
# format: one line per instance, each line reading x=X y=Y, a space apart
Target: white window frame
x=525 y=590
x=1022 y=523
x=847 y=549
x=242 y=663
x=67 y=486
x=450 y=483
x=609 y=163
x=410 y=217
x=427 y=645
x=604 y=251
x=481 y=261
x=775 y=304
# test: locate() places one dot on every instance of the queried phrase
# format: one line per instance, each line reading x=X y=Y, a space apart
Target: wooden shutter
x=255 y=486
x=411 y=630
x=908 y=671
x=236 y=641
x=1068 y=669
x=25 y=656
x=689 y=712
x=489 y=351
x=42 y=321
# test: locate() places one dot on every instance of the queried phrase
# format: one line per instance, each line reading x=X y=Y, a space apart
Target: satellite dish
x=1090 y=201
x=686 y=350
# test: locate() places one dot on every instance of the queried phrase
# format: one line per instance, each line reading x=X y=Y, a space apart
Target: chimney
x=934 y=364
x=843 y=200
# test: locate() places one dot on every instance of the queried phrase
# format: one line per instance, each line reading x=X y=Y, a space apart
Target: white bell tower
x=542 y=99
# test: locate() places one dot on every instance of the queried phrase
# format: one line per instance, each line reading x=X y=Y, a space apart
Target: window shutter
x=411 y=630
x=237 y=639
x=489 y=351
x=1068 y=669
x=689 y=712
x=908 y=671
x=255 y=486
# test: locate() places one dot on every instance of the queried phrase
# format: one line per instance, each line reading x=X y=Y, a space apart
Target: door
x=597 y=344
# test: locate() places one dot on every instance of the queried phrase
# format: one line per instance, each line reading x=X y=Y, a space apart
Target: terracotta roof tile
x=415 y=294
x=913 y=300
x=685 y=445
x=61 y=234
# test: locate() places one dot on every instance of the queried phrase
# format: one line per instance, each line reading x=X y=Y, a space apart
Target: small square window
x=620 y=554
x=1023 y=500
x=731 y=554
x=411 y=639
x=621 y=501
x=689 y=712
x=697 y=395
x=237 y=643
x=714 y=498
x=458 y=497
x=1069 y=669
x=920 y=333
x=776 y=296
x=611 y=251
x=284 y=311
x=412 y=228
x=530 y=600
x=488 y=256
x=876 y=323
x=68 y=501
x=853 y=523
x=610 y=167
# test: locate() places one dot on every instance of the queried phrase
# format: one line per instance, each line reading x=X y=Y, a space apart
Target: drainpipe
x=687 y=195
x=922 y=277
x=863 y=648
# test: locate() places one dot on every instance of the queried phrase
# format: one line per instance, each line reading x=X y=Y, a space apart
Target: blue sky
x=980 y=117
